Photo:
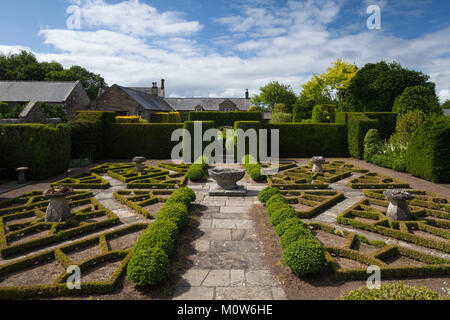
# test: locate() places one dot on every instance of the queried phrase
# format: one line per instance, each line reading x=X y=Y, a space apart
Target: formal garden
x=362 y=185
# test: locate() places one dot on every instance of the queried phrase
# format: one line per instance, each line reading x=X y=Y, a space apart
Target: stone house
x=144 y=101
x=68 y=94
x=130 y=102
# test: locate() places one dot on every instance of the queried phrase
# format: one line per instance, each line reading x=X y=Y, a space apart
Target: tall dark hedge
x=359 y=123
x=246 y=125
x=89 y=132
x=151 y=140
x=307 y=140
x=43 y=148
x=189 y=126
x=428 y=154
x=222 y=119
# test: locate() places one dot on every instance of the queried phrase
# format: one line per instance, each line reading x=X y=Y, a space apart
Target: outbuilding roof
x=44 y=91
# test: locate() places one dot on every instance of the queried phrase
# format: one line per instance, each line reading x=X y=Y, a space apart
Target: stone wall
x=77 y=100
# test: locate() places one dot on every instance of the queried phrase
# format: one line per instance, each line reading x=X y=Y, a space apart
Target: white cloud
x=261 y=45
x=135 y=18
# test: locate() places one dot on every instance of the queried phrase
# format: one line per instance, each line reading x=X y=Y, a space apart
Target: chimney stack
x=247 y=95
x=154 y=89
x=163 y=89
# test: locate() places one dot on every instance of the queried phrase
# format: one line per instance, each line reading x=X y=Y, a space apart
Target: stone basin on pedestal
x=226 y=179
x=398 y=209
x=58 y=209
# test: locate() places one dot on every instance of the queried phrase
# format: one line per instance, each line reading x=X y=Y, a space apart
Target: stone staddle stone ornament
x=58 y=209
x=398 y=209
x=139 y=161
x=317 y=164
x=21 y=175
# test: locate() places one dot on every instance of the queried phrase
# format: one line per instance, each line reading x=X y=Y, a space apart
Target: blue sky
x=222 y=47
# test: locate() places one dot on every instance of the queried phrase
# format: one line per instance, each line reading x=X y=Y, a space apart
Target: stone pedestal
x=317 y=164
x=139 y=164
x=21 y=175
x=398 y=209
x=58 y=209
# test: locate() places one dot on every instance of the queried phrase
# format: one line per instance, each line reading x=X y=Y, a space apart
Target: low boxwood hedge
x=286 y=224
x=305 y=257
x=293 y=233
x=149 y=263
x=276 y=198
x=267 y=193
x=282 y=214
x=148 y=266
x=392 y=291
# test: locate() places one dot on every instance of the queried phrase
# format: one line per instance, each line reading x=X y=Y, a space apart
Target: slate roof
x=209 y=104
x=148 y=101
x=44 y=91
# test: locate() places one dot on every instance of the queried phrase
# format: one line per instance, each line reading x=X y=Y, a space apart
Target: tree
x=332 y=85
x=91 y=81
x=25 y=66
x=302 y=109
x=417 y=98
x=274 y=93
x=446 y=105
x=376 y=86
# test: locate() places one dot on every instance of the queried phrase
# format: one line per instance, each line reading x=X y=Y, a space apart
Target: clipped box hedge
x=307 y=140
x=151 y=140
x=359 y=123
x=222 y=119
x=88 y=133
x=159 y=117
x=43 y=148
x=428 y=154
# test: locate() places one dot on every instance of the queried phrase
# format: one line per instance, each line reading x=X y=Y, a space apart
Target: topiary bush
x=282 y=214
x=266 y=193
x=323 y=113
x=417 y=98
x=428 y=154
x=182 y=195
x=275 y=206
x=159 y=117
x=276 y=198
x=174 y=117
x=195 y=173
x=286 y=224
x=281 y=117
x=253 y=168
x=372 y=144
x=174 y=211
x=148 y=266
x=392 y=291
x=162 y=234
x=305 y=257
x=295 y=233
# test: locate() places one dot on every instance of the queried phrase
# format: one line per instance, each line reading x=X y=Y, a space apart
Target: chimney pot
x=247 y=95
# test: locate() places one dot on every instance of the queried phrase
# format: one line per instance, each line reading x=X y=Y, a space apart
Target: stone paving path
x=229 y=260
